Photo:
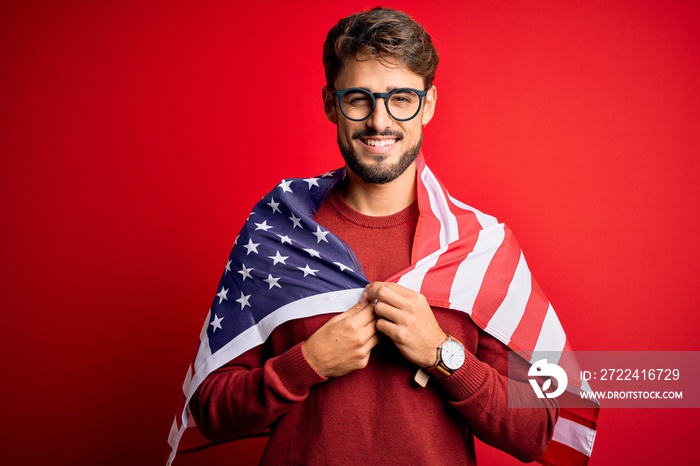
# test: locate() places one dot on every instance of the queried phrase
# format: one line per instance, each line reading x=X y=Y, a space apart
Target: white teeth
x=380 y=142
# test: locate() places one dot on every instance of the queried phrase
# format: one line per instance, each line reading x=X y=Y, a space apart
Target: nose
x=380 y=118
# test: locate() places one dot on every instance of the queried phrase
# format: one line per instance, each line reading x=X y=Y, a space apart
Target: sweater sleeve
x=246 y=395
x=479 y=391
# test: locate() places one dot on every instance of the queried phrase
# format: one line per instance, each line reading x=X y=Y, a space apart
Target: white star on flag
x=308 y=270
x=274 y=205
x=222 y=294
x=262 y=226
x=272 y=281
x=216 y=323
x=296 y=221
x=285 y=239
x=343 y=267
x=245 y=272
x=312 y=182
x=277 y=258
x=312 y=252
x=251 y=247
x=285 y=186
x=320 y=235
x=228 y=266
x=243 y=300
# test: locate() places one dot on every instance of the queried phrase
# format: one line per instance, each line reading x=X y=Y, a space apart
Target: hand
x=343 y=344
x=406 y=318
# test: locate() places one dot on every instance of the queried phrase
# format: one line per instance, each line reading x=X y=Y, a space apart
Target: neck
x=380 y=200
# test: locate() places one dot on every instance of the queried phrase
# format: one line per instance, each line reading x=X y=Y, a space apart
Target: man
x=350 y=387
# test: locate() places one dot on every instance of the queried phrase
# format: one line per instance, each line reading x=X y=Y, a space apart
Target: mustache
x=365 y=133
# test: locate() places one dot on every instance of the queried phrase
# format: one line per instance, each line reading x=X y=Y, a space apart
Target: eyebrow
x=388 y=89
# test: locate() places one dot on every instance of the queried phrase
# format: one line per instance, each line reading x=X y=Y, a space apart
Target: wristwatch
x=450 y=358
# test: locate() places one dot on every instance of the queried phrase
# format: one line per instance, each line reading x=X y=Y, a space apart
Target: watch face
x=452 y=355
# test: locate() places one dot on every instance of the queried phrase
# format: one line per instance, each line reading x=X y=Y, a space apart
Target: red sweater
x=376 y=415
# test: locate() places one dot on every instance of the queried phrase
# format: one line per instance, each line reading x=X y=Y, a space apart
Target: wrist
x=433 y=355
x=307 y=352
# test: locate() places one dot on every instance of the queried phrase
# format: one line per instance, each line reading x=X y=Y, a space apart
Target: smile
x=379 y=142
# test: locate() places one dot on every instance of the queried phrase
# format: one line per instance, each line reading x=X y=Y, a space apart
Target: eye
x=402 y=97
x=357 y=98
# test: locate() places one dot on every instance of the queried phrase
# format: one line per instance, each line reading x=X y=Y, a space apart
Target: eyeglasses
x=402 y=104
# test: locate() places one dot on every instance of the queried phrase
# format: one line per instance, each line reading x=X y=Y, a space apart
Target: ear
x=329 y=107
x=429 y=105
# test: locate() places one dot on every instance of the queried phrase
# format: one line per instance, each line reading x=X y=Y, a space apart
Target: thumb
x=361 y=304
x=364 y=300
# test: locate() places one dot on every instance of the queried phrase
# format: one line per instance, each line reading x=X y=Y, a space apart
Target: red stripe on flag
x=427 y=237
x=558 y=454
x=528 y=330
x=428 y=227
x=586 y=416
x=467 y=221
x=437 y=283
x=498 y=277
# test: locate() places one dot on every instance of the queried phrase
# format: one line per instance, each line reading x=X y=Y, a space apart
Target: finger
x=395 y=300
x=390 y=293
x=388 y=328
x=372 y=342
x=357 y=308
x=400 y=335
x=388 y=312
x=374 y=288
x=367 y=332
x=364 y=299
x=364 y=316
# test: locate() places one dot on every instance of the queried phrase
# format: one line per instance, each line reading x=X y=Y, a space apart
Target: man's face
x=378 y=149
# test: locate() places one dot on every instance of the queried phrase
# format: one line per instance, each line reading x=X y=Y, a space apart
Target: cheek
x=342 y=134
x=413 y=130
x=346 y=131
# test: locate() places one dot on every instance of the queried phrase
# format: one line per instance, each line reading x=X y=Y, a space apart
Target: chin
x=379 y=171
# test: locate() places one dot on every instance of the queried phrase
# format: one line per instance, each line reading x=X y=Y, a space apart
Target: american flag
x=285 y=266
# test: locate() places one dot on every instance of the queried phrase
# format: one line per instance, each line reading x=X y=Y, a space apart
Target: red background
x=135 y=138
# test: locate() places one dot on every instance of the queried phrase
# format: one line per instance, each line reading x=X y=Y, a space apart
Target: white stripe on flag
x=574 y=435
x=204 y=352
x=174 y=437
x=413 y=280
x=188 y=380
x=510 y=312
x=449 y=230
x=485 y=220
x=552 y=336
x=470 y=273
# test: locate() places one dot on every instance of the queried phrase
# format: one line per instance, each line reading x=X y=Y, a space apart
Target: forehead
x=377 y=76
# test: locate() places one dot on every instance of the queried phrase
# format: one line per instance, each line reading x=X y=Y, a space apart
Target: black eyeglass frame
x=380 y=95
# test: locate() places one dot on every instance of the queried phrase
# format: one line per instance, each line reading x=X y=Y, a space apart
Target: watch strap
x=440 y=370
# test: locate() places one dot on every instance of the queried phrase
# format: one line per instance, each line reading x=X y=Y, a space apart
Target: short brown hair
x=383 y=34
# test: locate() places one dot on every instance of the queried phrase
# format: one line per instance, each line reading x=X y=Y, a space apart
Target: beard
x=379 y=172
